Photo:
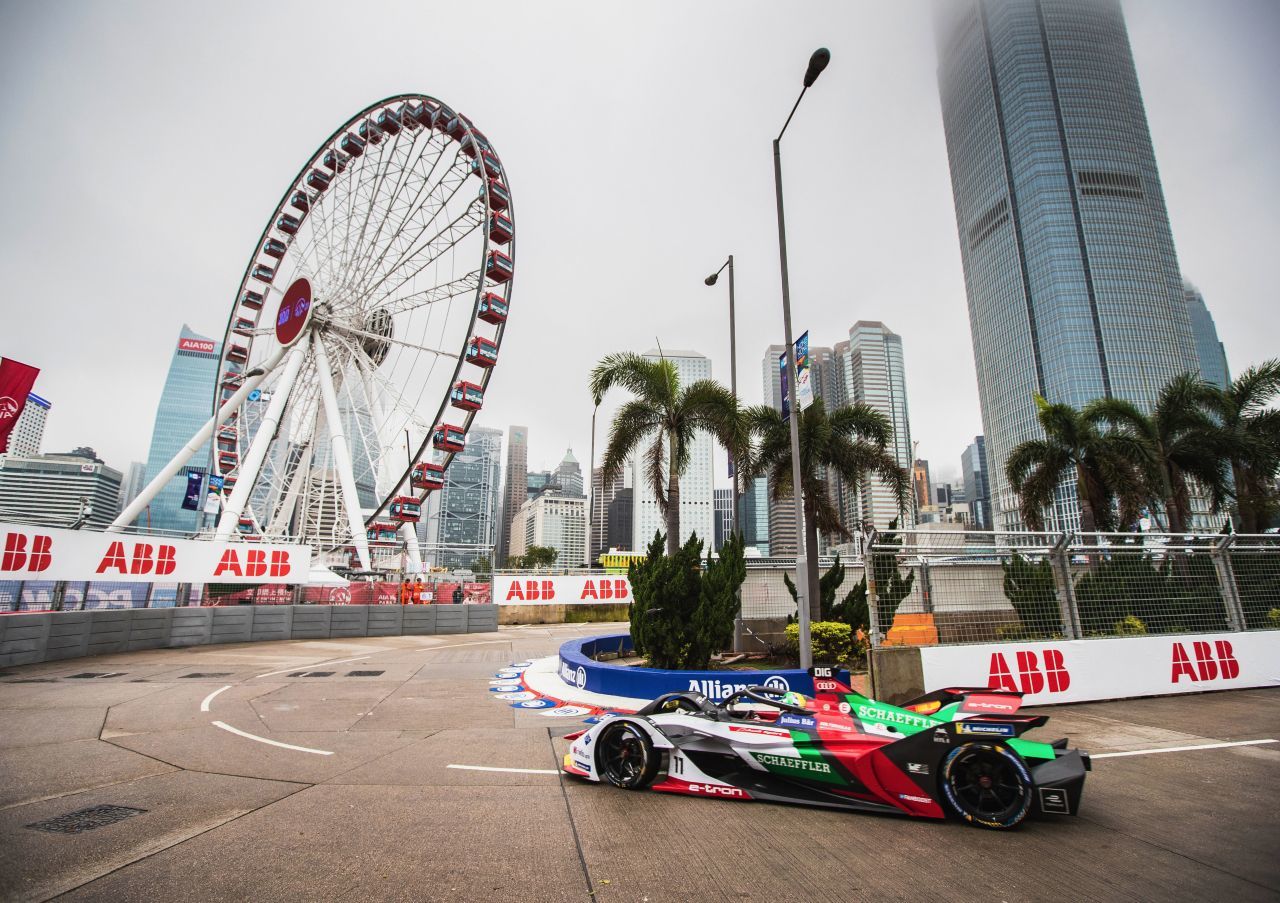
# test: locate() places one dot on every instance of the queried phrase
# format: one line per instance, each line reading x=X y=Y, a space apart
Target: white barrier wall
x=561 y=589
x=1080 y=670
x=48 y=553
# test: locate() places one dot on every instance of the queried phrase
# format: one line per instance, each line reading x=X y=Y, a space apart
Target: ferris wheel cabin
x=300 y=200
x=499 y=267
x=245 y=526
x=456 y=128
x=228 y=460
x=288 y=224
x=426 y=475
x=227 y=438
x=263 y=273
x=467 y=396
x=228 y=482
x=492 y=168
x=493 y=308
x=369 y=133
x=475 y=143
x=406 y=509
x=381 y=531
x=351 y=145
x=317 y=180
x=499 y=197
x=449 y=438
x=501 y=228
x=251 y=300
x=244 y=326
x=274 y=247
x=335 y=160
x=482 y=352
x=238 y=353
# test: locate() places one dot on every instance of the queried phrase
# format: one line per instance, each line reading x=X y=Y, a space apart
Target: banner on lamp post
x=16 y=381
x=804 y=388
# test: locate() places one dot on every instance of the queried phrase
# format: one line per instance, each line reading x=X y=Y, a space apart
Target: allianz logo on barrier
x=576 y=677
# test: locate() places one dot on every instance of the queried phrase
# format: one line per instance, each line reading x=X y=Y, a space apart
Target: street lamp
x=817 y=63
x=733 y=381
x=591 y=490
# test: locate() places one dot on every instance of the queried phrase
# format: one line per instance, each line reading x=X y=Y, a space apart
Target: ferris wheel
x=363 y=334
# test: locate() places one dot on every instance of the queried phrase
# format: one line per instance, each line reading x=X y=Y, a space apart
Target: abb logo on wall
x=26 y=553
x=1207 y=667
x=1034 y=674
x=511 y=589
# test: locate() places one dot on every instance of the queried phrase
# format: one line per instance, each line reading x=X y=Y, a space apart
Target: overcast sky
x=147 y=143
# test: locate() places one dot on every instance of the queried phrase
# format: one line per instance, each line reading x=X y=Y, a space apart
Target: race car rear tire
x=625 y=756
x=986 y=784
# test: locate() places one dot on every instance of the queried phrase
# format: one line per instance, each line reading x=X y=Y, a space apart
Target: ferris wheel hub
x=294 y=313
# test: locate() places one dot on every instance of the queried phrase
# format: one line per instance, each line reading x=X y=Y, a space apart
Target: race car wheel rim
x=624 y=756
x=987 y=785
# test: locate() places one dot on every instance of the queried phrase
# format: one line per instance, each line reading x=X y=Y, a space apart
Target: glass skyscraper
x=1209 y=351
x=1069 y=265
x=185 y=405
x=464 y=514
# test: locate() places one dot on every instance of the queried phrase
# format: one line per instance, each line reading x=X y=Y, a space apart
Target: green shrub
x=1273 y=619
x=1130 y=626
x=1033 y=592
x=830 y=641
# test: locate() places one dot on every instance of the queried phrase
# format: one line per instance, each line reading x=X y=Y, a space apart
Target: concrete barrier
x=32 y=637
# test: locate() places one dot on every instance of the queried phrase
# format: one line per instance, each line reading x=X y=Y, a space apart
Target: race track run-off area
x=384 y=769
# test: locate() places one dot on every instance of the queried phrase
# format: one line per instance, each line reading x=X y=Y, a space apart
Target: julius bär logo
x=1034 y=672
x=8 y=408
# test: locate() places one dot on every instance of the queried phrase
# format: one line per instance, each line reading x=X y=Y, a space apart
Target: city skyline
x=1200 y=113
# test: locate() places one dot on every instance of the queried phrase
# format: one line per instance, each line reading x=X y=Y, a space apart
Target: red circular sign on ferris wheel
x=295 y=310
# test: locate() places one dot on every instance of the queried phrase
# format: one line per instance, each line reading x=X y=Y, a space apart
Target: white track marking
x=509 y=770
x=339 y=661
x=1169 y=749
x=204 y=706
x=248 y=736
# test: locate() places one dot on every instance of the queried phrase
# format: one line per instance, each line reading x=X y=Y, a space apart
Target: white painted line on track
x=510 y=770
x=1171 y=749
x=246 y=735
x=204 y=706
x=339 y=661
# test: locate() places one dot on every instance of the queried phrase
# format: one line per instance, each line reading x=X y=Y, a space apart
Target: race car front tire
x=625 y=756
x=986 y=784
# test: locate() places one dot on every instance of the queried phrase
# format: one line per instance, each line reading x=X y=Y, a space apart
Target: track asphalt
x=322 y=772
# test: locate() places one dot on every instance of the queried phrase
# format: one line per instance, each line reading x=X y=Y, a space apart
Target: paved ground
x=383 y=817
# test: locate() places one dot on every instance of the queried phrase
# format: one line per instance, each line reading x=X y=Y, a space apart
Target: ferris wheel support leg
x=379 y=420
x=229 y=407
x=341 y=453
x=410 y=536
x=252 y=462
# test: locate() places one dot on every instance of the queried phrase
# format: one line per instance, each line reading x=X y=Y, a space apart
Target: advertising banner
x=16 y=380
x=195 y=482
x=561 y=589
x=804 y=388
x=1080 y=670
x=47 y=553
x=784 y=382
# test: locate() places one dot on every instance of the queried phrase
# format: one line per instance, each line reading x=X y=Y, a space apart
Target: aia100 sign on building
x=560 y=589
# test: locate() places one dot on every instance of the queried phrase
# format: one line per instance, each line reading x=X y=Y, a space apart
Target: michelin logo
x=984 y=730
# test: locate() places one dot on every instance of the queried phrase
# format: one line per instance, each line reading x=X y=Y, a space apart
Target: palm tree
x=850 y=442
x=1251 y=435
x=666 y=415
x=1106 y=466
x=1182 y=442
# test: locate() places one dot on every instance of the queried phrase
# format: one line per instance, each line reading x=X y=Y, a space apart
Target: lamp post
x=591 y=492
x=733 y=380
x=817 y=63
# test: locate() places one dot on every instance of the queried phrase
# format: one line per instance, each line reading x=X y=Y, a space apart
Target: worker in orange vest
x=418 y=588
x=406 y=593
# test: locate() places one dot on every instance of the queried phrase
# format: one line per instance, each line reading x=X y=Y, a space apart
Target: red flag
x=16 y=380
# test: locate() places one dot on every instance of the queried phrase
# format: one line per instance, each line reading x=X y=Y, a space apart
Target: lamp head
x=711 y=280
x=817 y=63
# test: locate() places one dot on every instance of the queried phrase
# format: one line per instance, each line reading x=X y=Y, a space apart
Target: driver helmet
x=796 y=699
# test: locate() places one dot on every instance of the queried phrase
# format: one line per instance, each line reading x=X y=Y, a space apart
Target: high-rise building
x=603 y=494
x=622 y=521
x=53 y=490
x=920 y=481
x=1072 y=280
x=724 y=516
x=28 y=433
x=185 y=405
x=977 y=487
x=558 y=521
x=569 y=474
x=874 y=374
x=463 y=516
x=540 y=481
x=515 y=487
x=133 y=483
x=697 y=513
x=1209 y=351
x=755 y=516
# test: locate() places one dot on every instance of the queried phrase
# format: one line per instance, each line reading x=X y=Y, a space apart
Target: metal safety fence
x=933 y=587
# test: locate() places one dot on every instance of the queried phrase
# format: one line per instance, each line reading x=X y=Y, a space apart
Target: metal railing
x=934 y=587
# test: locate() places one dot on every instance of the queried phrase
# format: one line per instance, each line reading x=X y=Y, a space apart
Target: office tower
x=133 y=483
x=696 y=504
x=874 y=374
x=28 y=433
x=603 y=494
x=622 y=521
x=185 y=405
x=1073 y=284
x=943 y=495
x=920 y=481
x=464 y=521
x=1209 y=351
x=724 y=516
x=515 y=487
x=539 y=481
x=558 y=521
x=977 y=487
x=755 y=516
x=569 y=474
x=48 y=489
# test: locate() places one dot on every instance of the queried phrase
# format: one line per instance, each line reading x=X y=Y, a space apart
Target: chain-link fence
x=935 y=587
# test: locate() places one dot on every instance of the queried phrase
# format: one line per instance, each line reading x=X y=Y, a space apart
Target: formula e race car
x=956 y=751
